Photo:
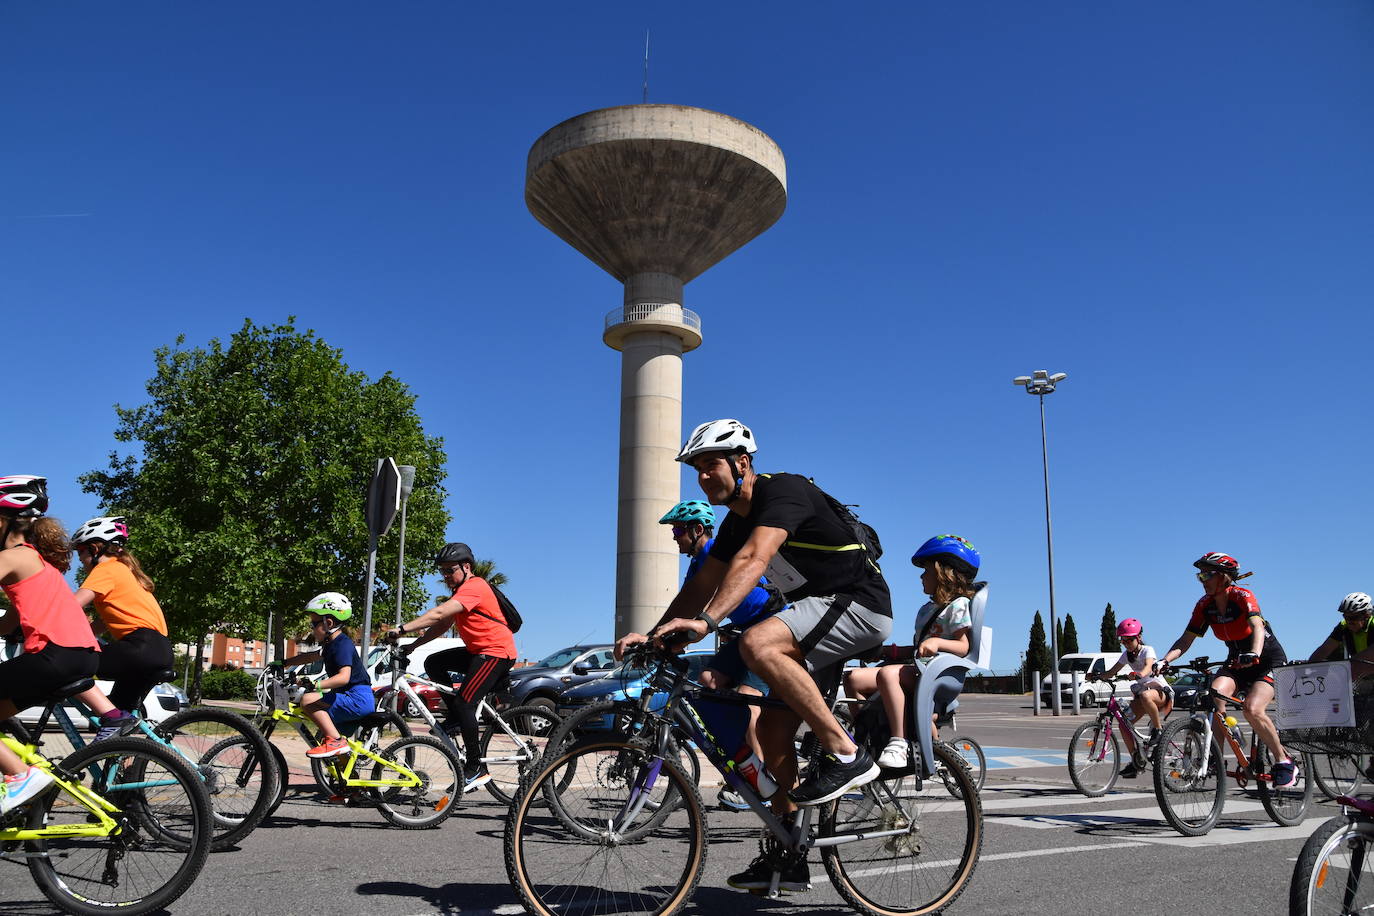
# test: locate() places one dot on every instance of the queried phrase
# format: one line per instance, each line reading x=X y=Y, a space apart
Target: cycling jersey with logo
x=1231 y=626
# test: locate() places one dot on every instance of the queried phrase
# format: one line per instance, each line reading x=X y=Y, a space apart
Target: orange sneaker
x=330 y=747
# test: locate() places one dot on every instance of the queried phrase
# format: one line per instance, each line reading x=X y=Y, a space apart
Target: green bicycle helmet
x=690 y=512
x=331 y=604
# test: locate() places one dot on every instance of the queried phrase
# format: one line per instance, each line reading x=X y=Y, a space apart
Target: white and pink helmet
x=110 y=529
x=24 y=495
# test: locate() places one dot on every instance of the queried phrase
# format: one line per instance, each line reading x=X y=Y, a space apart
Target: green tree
x=486 y=569
x=246 y=481
x=1069 y=641
x=1059 y=633
x=1038 y=651
x=1109 y=641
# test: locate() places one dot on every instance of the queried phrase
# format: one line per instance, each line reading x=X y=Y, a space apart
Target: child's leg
x=1147 y=701
x=9 y=760
x=861 y=682
x=318 y=712
x=893 y=683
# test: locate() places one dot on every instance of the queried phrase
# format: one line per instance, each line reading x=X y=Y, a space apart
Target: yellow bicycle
x=126 y=826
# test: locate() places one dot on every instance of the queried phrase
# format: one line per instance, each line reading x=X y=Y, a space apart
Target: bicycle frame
x=1213 y=721
x=99 y=808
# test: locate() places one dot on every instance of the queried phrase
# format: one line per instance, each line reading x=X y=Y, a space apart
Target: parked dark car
x=621 y=684
x=541 y=683
x=1187 y=686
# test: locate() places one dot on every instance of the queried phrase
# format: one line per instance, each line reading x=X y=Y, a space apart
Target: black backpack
x=864 y=535
x=513 y=619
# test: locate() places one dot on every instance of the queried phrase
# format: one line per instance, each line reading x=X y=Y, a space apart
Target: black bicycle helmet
x=454 y=554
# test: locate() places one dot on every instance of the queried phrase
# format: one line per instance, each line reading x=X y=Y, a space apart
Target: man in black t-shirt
x=781 y=525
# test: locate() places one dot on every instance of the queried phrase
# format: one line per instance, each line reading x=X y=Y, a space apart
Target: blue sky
x=1173 y=203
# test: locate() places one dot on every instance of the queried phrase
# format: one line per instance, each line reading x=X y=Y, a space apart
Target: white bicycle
x=512 y=741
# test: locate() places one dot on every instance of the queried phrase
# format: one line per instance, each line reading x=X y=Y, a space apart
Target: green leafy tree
x=1069 y=641
x=246 y=482
x=1038 y=651
x=1110 y=642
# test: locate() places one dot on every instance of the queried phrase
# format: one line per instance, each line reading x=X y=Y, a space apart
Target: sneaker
x=1151 y=741
x=115 y=722
x=731 y=800
x=759 y=877
x=830 y=779
x=330 y=747
x=1130 y=771
x=21 y=789
x=475 y=776
x=1284 y=774
x=896 y=755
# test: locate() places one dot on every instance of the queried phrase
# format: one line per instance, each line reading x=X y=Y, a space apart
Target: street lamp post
x=1040 y=384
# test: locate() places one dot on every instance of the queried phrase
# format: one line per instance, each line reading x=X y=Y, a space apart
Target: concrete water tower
x=654 y=195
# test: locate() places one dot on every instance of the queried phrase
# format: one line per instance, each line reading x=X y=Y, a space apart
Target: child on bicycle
x=350 y=689
x=1151 y=695
x=59 y=647
x=1252 y=651
x=948 y=563
x=122 y=593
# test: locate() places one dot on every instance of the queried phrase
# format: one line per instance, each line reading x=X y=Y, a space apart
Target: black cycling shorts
x=29 y=679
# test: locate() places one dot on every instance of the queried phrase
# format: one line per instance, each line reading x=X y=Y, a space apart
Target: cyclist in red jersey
x=1252 y=651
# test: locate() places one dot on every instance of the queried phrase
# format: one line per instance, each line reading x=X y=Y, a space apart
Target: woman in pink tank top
x=58 y=644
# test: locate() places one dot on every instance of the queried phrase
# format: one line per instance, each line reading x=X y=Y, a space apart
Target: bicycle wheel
x=377 y=736
x=972 y=752
x=512 y=751
x=1337 y=774
x=438 y=793
x=921 y=869
x=164 y=831
x=1334 y=873
x=1285 y=807
x=1189 y=797
x=285 y=773
x=234 y=760
x=605 y=851
x=1094 y=759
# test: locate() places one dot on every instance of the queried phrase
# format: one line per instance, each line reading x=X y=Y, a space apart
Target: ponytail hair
x=47 y=536
x=119 y=553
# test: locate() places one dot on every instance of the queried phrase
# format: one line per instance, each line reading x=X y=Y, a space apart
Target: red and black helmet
x=1219 y=562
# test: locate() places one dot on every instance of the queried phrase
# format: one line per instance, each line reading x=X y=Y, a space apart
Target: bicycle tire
x=1094 y=759
x=511 y=759
x=972 y=753
x=879 y=876
x=1338 y=774
x=234 y=760
x=439 y=793
x=321 y=768
x=1285 y=807
x=581 y=860
x=1334 y=873
x=1189 y=799
x=282 y=768
x=164 y=837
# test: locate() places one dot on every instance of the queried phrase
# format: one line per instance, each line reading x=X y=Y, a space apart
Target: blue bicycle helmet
x=690 y=512
x=951 y=548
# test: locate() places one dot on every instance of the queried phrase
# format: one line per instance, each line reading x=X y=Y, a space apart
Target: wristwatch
x=401 y=629
x=711 y=625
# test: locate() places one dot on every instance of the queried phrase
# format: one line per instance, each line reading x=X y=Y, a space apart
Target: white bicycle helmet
x=1356 y=603
x=718 y=436
x=331 y=604
x=110 y=528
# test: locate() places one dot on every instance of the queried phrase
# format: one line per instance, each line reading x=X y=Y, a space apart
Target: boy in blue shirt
x=350 y=689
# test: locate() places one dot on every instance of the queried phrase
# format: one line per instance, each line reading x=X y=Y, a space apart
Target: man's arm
x=434 y=622
x=744 y=571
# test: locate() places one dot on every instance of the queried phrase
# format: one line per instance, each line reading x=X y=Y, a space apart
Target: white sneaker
x=895 y=755
x=18 y=790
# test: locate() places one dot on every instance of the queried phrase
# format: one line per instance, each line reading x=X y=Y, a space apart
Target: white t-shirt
x=942 y=622
x=1144 y=661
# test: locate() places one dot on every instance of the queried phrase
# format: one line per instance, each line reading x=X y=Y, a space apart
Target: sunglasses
x=1205 y=575
x=1356 y=617
x=679 y=531
x=447 y=570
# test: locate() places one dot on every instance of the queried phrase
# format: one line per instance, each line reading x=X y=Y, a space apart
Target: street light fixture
x=1040 y=384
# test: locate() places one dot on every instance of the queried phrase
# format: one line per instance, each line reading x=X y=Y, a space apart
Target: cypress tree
x=1110 y=642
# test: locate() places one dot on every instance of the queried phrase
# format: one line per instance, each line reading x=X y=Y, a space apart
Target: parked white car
x=1090 y=693
x=161 y=702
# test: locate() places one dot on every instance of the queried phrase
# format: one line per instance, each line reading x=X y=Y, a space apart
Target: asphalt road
x=1047 y=849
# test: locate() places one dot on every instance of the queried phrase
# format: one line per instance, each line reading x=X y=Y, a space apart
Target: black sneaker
x=830 y=779
x=1285 y=774
x=1129 y=771
x=475 y=776
x=759 y=877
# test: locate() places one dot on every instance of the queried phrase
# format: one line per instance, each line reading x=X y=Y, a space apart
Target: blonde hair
x=118 y=552
x=950 y=583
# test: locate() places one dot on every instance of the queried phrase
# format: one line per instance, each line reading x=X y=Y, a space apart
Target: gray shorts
x=832 y=628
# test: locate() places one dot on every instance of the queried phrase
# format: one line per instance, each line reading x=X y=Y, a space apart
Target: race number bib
x=1315 y=695
x=784 y=575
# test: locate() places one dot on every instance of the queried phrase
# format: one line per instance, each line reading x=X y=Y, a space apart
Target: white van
x=1090 y=693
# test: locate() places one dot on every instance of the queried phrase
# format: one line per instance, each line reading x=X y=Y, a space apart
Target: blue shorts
x=729 y=663
x=347 y=705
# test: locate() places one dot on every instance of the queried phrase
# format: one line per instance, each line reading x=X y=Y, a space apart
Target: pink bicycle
x=1095 y=752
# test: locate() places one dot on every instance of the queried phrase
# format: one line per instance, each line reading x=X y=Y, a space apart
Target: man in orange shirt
x=487 y=655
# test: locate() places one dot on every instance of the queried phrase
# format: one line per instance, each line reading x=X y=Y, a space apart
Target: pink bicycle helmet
x=1128 y=627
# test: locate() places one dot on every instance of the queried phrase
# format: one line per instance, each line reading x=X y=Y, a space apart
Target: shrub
x=235 y=684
